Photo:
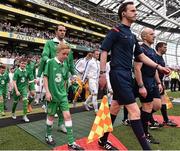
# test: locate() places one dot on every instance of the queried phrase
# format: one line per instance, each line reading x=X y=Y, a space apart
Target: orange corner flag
x=102 y=122
x=169 y=104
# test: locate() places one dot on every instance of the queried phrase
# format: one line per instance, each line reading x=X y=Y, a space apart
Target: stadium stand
x=25 y=27
x=29 y=31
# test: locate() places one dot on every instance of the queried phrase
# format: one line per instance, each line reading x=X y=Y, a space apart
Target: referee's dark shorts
x=152 y=90
x=122 y=85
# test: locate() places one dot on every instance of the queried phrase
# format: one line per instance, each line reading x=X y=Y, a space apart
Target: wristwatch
x=141 y=85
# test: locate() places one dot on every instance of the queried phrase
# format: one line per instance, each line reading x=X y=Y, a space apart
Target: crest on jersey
x=22 y=79
x=2 y=82
x=58 y=78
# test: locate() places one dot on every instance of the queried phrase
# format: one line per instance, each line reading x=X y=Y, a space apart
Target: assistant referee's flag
x=102 y=122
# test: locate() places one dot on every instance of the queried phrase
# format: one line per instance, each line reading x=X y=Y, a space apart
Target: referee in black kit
x=123 y=46
x=148 y=82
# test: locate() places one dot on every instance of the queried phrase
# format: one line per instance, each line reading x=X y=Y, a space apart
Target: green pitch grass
x=168 y=137
x=14 y=138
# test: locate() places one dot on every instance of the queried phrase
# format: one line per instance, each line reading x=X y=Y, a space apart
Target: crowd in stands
x=24 y=30
x=42 y=15
x=78 y=11
x=7 y=53
x=45 y=34
x=35 y=32
x=82 y=42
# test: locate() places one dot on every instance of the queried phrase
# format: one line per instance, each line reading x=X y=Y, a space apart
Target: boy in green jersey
x=5 y=93
x=31 y=68
x=4 y=79
x=55 y=76
x=49 y=52
x=21 y=79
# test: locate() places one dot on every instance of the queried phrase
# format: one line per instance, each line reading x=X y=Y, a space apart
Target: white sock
x=88 y=99
x=94 y=101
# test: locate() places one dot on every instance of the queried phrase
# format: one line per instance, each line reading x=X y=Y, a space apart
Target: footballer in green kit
x=4 y=80
x=48 y=53
x=21 y=80
x=31 y=68
x=50 y=49
x=5 y=94
x=55 y=76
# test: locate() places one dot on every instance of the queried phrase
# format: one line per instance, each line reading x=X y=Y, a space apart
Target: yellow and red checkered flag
x=102 y=122
x=169 y=104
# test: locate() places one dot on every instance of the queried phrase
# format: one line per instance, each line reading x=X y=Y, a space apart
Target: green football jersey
x=56 y=73
x=31 y=68
x=49 y=52
x=22 y=78
x=4 y=80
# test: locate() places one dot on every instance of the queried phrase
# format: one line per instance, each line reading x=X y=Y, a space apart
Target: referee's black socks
x=145 y=117
x=151 y=119
x=164 y=112
x=125 y=113
x=139 y=132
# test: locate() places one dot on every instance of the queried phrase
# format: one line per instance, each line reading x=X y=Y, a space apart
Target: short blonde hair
x=62 y=46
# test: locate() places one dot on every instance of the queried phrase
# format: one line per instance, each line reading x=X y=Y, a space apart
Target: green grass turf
x=33 y=136
x=14 y=138
x=82 y=123
x=168 y=137
x=174 y=94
